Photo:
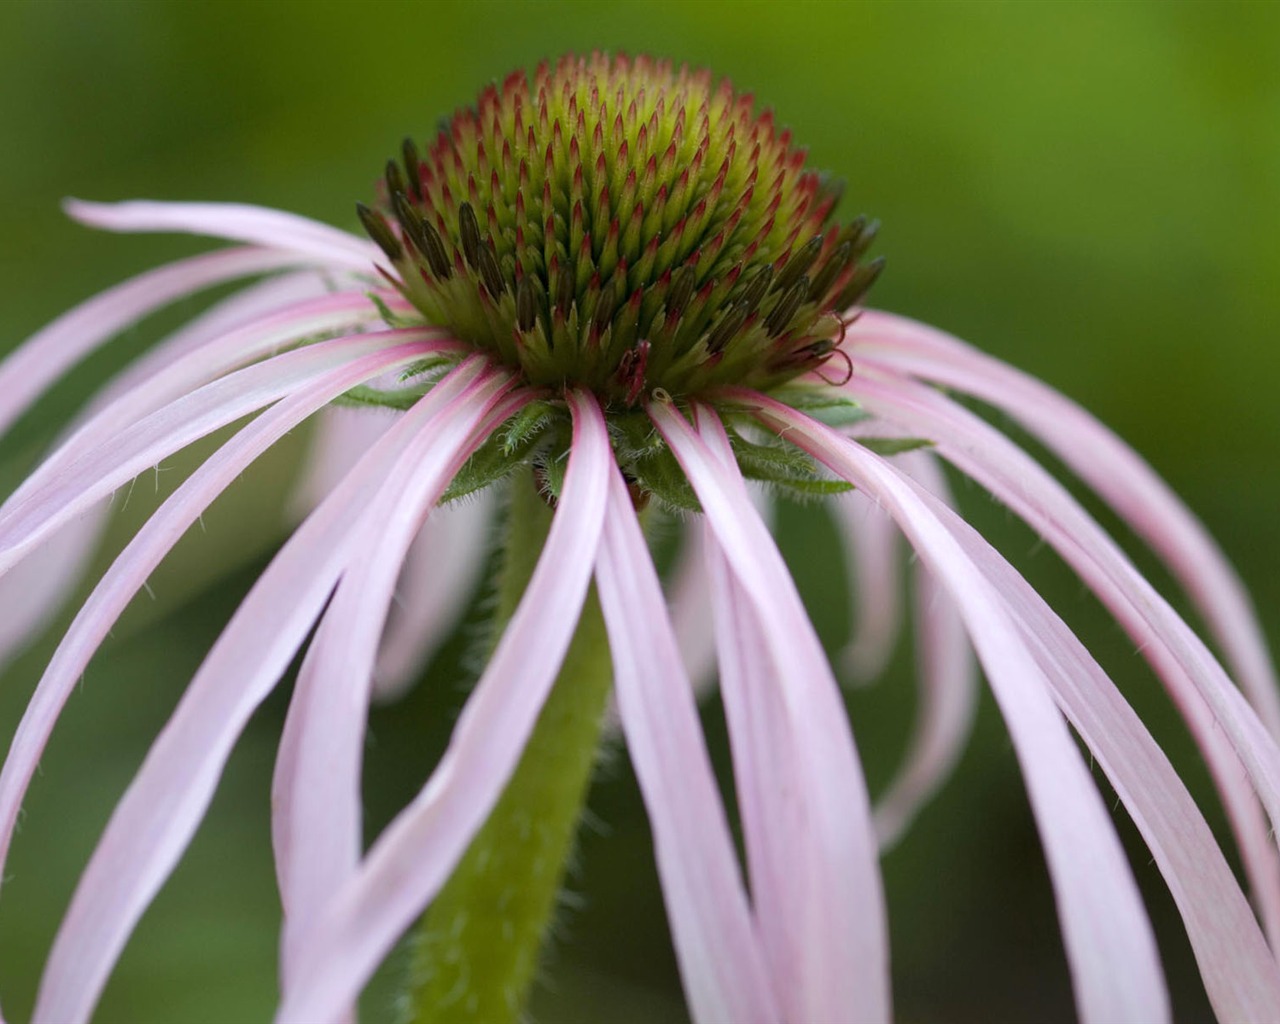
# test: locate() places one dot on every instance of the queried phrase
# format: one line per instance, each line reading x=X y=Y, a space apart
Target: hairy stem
x=476 y=949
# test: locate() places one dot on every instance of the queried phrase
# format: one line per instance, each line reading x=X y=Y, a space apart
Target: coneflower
x=615 y=289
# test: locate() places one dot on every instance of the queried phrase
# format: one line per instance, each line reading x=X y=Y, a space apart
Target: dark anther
x=798 y=264
x=756 y=289
x=863 y=278
x=395 y=178
x=489 y=271
x=834 y=267
x=526 y=304
x=730 y=324
x=778 y=319
x=377 y=229
x=469 y=229
x=434 y=251
x=412 y=167
x=604 y=308
x=682 y=285
x=410 y=220
x=866 y=236
x=565 y=292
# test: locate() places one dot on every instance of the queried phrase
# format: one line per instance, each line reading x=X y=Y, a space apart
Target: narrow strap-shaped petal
x=442 y=567
x=1113 y=956
x=767 y=775
x=1202 y=691
x=870 y=542
x=46 y=581
x=837 y=963
x=689 y=597
x=33 y=591
x=1113 y=469
x=235 y=222
x=317 y=825
x=720 y=957
x=258 y=301
x=947 y=685
x=183 y=375
x=160 y=811
x=440 y=573
x=88 y=476
x=28 y=371
x=1240 y=973
x=340 y=437
x=414 y=855
x=144 y=552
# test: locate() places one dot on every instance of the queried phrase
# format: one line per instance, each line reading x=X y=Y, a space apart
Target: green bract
x=618 y=224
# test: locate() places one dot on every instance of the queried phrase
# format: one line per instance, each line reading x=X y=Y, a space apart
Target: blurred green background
x=1089 y=190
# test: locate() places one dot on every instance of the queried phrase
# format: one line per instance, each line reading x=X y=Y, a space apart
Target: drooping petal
x=160 y=811
x=414 y=855
x=1113 y=469
x=689 y=597
x=442 y=567
x=37 y=587
x=1114 y=961
x=180 y=377
x=42 y=584
x=339 y=439
x=875 y=569
x=1240 y=973
x=85 y=477
x=836 y=965
x=720 y=956
x=440 y=575
x=947 y=685
x=236 y=222
x=317 y=786
x=1226 y=733
x=28 y=371
x=140 y=558
x=262 y=299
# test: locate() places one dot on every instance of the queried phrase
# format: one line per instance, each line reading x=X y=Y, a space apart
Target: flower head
x=621 y=277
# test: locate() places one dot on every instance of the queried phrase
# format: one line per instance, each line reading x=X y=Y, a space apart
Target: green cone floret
x=626 y=226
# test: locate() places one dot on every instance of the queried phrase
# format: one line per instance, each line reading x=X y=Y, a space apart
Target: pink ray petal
x=38 y=587
x=874 y=567
x=28 y=371
x=163 y=806
x=1113 y=469
x=46 y=581
x=414 y=855
x=52 y=499
x=140 y=558
x=256 y=301
x=442 y=567
x=178 y=377
x=318 y=839
x=1240 y=973
x=1226 y=734
x=721 y=961
x=341 y=437
x=440 y=575
x=836 y=933
x=1114 y=961
x=689 y=598
x=947 y=684
x=236 y=222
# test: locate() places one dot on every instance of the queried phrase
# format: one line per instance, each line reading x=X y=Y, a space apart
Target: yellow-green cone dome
x=620 y=224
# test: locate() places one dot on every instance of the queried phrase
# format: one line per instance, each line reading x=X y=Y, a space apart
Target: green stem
x=476 y=949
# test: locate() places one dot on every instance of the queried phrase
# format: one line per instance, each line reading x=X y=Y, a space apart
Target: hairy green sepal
x=476 y=950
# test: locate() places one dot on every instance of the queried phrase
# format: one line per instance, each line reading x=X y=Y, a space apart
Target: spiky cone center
x=618 y=224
